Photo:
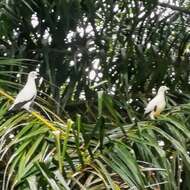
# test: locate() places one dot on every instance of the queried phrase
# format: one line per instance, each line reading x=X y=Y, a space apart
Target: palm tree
x=100 y=61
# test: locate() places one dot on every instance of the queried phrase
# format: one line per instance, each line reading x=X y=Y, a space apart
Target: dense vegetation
x=100 y=61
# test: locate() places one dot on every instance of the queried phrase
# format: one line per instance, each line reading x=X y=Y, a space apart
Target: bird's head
x=33 y=75
x=163 y=89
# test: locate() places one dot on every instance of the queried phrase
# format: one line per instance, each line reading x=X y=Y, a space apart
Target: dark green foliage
x=139 y=45
x=100 y=61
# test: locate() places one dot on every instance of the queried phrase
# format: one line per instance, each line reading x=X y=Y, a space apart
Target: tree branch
x=173 y=7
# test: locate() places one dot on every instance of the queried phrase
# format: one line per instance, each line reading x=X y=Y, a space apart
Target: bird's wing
x=24 y=96
x=153 y=104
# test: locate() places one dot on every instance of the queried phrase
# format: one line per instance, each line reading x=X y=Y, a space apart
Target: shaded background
x=101 y=60
x=126 y=48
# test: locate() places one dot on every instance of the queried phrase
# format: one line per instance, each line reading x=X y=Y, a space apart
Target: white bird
x=157 y=104
x=26 y=96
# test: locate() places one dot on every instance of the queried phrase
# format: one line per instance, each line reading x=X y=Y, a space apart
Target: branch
x=48 y=123
x=173 y=7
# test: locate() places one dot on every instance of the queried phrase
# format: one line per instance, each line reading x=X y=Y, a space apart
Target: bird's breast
x=160 y=108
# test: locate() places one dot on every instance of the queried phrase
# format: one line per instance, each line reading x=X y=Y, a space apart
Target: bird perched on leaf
x=26 y=96
x=157 y=104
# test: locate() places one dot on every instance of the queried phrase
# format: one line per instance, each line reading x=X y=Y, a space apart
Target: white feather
x=158 y=101
x=28 y=93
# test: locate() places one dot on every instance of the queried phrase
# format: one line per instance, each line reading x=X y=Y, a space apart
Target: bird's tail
x=11 y=108
x=146 y=114
x=9 y=113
